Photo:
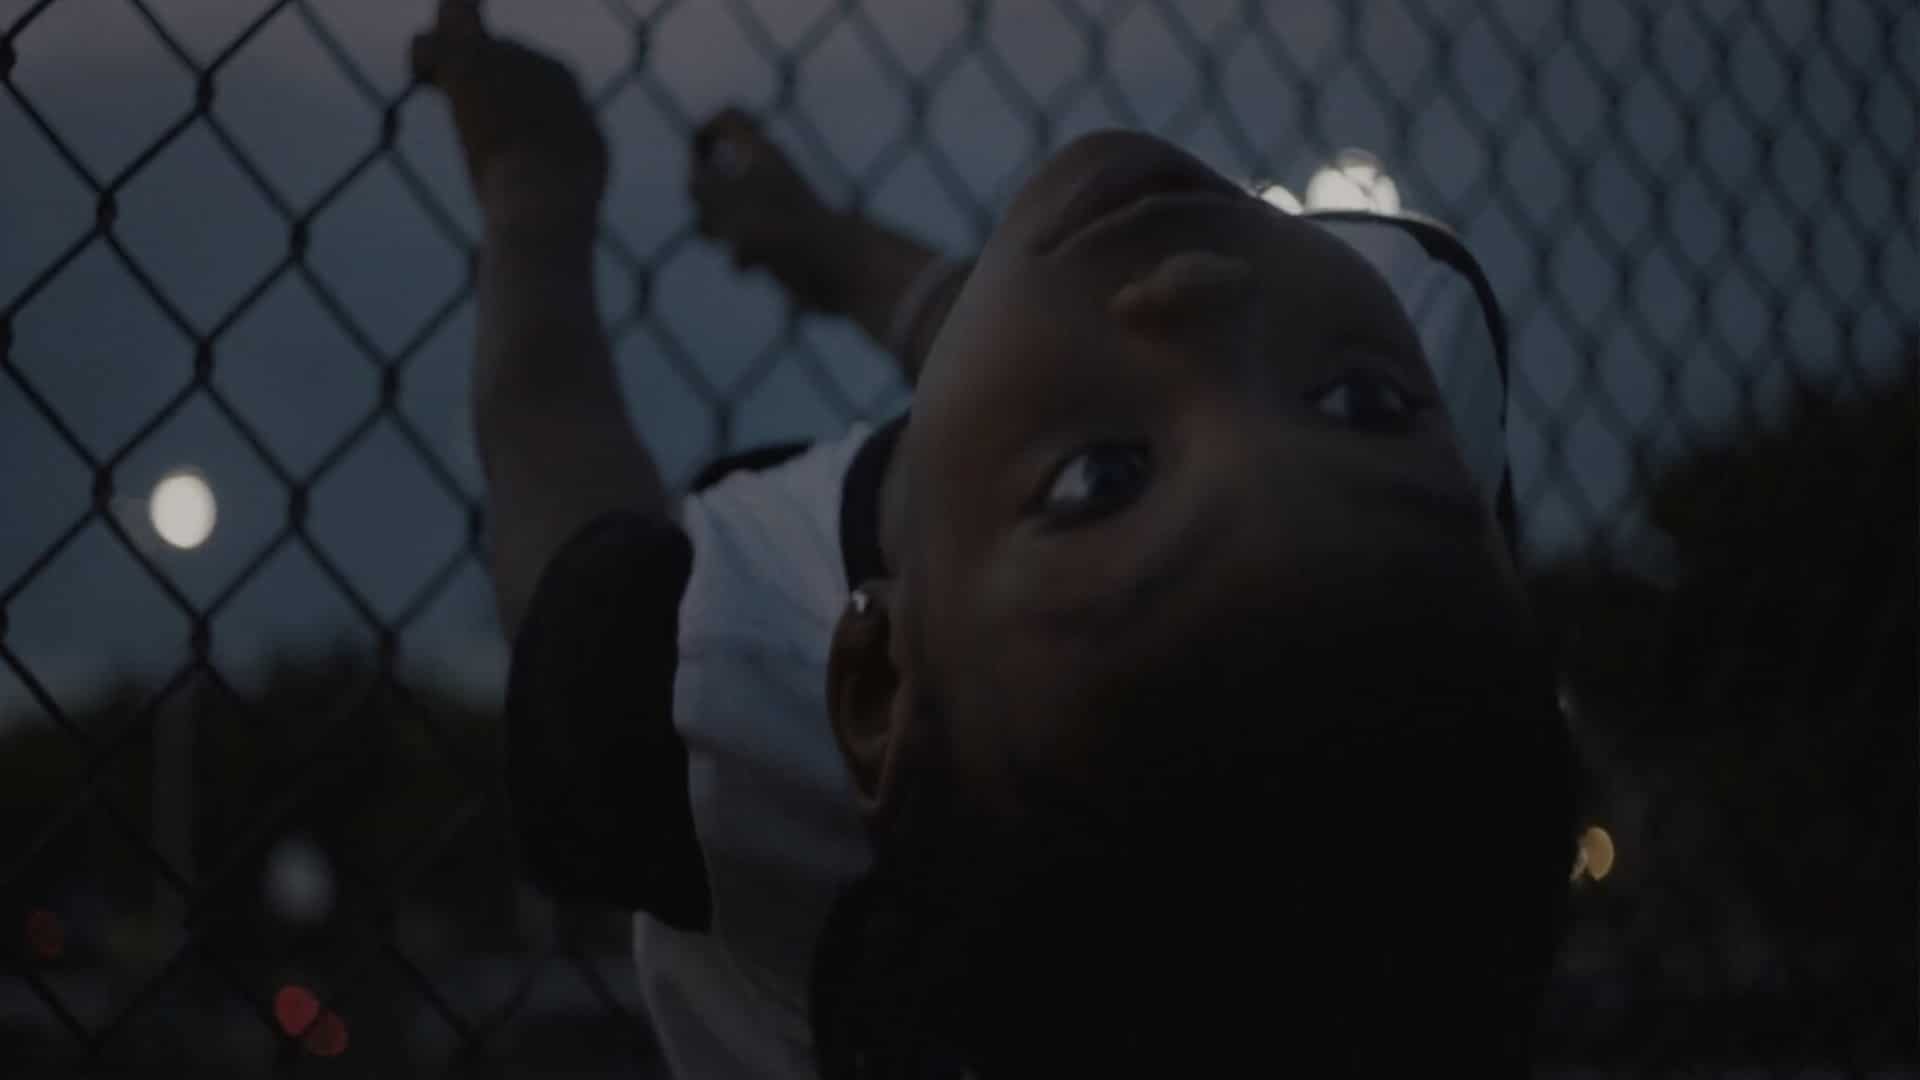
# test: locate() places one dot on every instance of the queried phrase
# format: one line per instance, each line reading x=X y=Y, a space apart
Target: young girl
x=1155 y=697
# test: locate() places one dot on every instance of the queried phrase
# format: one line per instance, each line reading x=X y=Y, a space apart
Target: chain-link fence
x=247 y=753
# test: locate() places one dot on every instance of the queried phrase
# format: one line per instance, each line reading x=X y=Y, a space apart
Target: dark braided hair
x=1359 y=859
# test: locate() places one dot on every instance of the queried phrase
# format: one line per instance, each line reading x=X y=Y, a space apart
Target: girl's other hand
x=748 y=196
x=533 y=148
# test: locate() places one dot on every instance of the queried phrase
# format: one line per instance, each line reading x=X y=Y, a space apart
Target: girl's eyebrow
x=1390 y=355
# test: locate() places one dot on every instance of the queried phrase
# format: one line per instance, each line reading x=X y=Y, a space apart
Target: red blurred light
x=295 y=1008
x=46 y=935
x=322 y=1031
x=327 y=1037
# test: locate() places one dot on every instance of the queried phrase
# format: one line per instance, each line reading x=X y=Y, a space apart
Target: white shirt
x=773 y=803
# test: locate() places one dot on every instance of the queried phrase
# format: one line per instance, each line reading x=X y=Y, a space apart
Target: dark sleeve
x=596 y=774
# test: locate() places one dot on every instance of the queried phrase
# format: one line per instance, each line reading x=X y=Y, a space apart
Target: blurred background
x=249 y=672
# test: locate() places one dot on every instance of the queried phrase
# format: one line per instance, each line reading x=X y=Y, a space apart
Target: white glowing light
x=182 y=509
x=299 y=882
x=1280 y=198
x=1354 y=181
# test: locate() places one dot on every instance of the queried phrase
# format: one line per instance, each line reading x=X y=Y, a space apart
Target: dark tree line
x=1751 y=722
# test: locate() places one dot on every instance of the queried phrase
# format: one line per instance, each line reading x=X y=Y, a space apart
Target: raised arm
x=750 y=198
x=555 y=441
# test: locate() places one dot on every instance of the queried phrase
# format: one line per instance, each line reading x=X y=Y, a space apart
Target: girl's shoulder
x=781 y=534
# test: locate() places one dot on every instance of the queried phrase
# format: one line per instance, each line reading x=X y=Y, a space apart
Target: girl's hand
x=533 y=148
x=748 y=196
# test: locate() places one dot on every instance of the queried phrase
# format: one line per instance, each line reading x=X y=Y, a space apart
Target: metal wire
x=1690 y=212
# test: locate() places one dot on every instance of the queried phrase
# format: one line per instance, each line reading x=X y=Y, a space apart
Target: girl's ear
x=864 y=697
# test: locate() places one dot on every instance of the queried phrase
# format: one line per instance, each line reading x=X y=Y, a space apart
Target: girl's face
x=1157 y=407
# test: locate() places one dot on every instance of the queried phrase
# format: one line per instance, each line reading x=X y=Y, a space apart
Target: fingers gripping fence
x=235 y=236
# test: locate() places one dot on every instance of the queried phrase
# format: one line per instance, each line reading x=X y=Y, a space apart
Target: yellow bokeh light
x=1596 y=845
x=1593 y=857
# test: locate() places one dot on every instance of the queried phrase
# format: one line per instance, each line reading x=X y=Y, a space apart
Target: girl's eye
x=1097 y=481
x=1367 y=402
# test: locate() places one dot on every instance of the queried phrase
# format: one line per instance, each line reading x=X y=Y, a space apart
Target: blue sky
x=1762 y=195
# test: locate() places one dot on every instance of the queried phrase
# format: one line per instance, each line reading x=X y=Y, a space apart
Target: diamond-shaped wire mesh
x=250 y=809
